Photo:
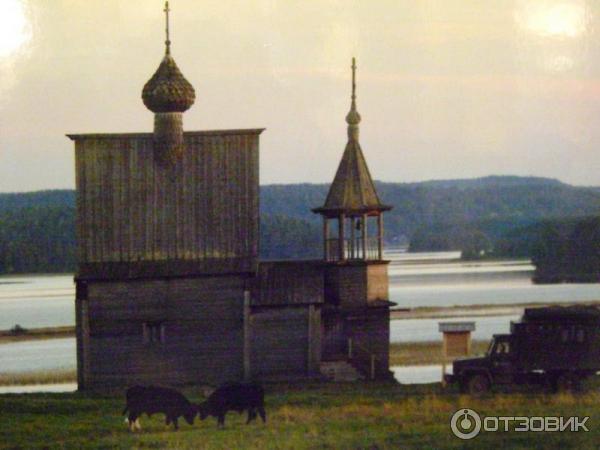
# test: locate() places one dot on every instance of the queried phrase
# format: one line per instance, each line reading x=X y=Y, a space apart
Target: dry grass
x=425 y=353
x=38 y=377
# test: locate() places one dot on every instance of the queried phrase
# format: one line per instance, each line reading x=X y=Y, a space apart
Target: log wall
x=200 y=340
x=282 y=342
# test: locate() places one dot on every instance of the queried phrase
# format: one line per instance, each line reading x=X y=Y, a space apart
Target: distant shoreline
x=445 y=312
x=36 y=334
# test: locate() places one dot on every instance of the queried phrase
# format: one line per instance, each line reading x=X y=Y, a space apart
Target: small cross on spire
x=353 y=117
x=168 y=41
x=353 y=79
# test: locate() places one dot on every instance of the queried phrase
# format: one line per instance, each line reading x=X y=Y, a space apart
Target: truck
x=557 y=347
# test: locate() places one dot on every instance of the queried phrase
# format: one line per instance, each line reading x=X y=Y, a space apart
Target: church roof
x=352 y=190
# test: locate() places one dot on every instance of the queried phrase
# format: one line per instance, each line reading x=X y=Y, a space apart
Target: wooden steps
x=340 y=371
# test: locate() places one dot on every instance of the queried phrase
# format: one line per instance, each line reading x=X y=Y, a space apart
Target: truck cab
x=476 y=375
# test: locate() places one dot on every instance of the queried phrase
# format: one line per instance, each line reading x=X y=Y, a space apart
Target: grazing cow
x=152 y=400
x=234 y=397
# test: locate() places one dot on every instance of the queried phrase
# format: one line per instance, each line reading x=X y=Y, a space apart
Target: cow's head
x=202 y=410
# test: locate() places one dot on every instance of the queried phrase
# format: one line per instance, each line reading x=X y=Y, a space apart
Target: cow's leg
x=251 y=415
x=131 y=419
x=137 y=424
x=175 y=423
x=221 y=420
x=168 y=420
x=263 y=414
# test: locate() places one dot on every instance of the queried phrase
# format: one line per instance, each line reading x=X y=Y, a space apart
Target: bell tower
x=356 y=312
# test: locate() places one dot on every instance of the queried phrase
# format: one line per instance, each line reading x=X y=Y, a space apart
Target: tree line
x=485 y=217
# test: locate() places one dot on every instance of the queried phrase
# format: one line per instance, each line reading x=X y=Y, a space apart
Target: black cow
x=234 y=397
x=152 y=400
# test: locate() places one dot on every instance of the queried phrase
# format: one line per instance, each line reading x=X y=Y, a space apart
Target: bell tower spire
x=167 y=40
x=352 y=200
x=353 y=117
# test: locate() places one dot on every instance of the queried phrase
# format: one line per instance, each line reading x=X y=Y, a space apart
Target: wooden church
x=170 y=289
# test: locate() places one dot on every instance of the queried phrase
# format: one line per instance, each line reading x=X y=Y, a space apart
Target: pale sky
x=446 y=88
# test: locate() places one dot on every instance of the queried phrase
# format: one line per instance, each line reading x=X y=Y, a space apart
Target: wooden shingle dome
x=168 y=90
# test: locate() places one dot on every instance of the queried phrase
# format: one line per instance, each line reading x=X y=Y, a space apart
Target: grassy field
x=326 y=416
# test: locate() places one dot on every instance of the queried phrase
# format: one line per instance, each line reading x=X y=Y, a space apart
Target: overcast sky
x=446 y=88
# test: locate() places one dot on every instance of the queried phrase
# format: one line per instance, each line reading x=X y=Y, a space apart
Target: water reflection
x=28 y=356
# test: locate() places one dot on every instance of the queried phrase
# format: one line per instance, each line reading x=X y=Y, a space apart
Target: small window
x=503 y=348
x=154 y=332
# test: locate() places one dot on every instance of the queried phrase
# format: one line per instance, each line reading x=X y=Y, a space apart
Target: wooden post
x=469 y=343
x=326 y=238
x=247 y=336
x=313 y=341
x=341 y=223
x=80 y=349
x=363 y=230
x=380 y=235
x=372 y=367
x=85 y=338
x=349 y=348
x=352 y=238
x=444 y=356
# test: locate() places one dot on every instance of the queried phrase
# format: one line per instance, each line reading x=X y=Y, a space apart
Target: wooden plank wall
x=130 y=209
x=346 y=285
x=279 y=342
x=288 y=283
x=203 y=331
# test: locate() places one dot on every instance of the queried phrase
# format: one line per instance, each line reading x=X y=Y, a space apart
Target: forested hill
x=497 y=203
x=37 y=228
x=54 y=198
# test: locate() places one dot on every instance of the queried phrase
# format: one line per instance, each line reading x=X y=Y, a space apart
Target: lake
x=424 y=279
x=35 y=301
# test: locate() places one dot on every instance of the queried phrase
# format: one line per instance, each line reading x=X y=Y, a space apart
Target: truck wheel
x=478 y=385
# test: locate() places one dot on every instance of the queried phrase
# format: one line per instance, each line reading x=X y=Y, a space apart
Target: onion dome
x=168 y=95
x=168 y=90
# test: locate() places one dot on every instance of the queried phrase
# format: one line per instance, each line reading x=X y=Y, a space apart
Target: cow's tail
x=125 y=410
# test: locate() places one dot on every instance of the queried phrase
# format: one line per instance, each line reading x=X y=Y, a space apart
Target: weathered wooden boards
x=202 y=209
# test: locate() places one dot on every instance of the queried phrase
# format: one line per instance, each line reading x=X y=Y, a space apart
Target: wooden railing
x=353 y=249
x=354 y=349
